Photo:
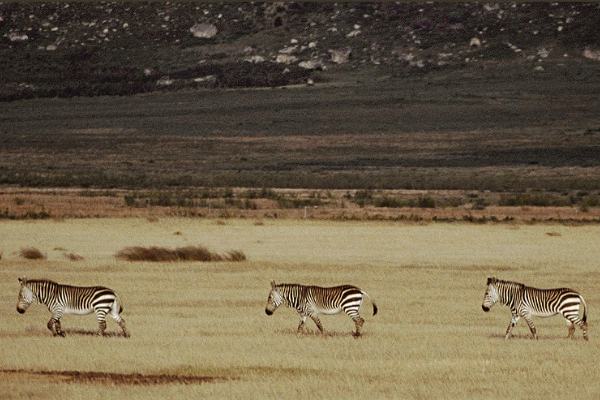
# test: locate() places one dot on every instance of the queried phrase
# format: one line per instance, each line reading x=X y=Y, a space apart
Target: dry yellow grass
x=430 y=338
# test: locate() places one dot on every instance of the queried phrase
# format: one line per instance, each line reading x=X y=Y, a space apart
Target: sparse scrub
x=480 y=204
x=392 y=202
x=73 y=257
x=31 y=253
x=187 y=253
x=129 y=200
x=286 y=202
x=426 y=202
x=534 y=199
x=234 y=255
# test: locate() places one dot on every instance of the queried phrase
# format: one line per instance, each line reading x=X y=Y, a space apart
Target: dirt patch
x=115 y=378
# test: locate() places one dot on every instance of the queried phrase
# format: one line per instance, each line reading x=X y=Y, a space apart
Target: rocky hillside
x=110 y=48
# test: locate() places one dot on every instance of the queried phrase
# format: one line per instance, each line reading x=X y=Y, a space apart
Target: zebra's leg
x=119 y=320
x=121 y=323
x=58 y=329
x=358 y=323
x=584 y=327
x=317 y=322
x=513 y=321
x=54 y=323
x=101 y=317
x=529 y=321
x=51 y=324
x=301 y=325
x=571 y=325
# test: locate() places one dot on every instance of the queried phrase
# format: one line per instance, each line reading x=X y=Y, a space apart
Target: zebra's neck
x=509 y=293
x=290 y=294
x=42 y=289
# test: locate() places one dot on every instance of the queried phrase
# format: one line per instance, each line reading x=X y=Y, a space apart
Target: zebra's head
x=275 y=299
x=491 y=294
x=26 y=296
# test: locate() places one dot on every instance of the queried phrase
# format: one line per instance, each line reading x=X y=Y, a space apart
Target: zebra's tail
x=119 y=302
x=372 y=301
x=585 y=309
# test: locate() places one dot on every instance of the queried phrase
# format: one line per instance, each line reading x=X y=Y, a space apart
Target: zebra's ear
x=490 y=280
x=22 y=280
x=273 y=284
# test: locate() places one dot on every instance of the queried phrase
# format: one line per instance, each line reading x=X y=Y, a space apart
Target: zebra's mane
x=35 y=285
x=508 y=283
x=40 y=281
x=288 y=286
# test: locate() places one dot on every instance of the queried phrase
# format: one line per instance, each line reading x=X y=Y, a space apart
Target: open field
x=199 y=329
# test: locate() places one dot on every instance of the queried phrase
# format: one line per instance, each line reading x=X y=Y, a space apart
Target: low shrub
x=73 y=257
x=31 y=253
x=187 y=253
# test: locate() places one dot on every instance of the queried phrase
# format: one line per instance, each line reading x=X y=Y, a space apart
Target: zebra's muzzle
x=20 y=310
x=268 y=312
x=484 y=308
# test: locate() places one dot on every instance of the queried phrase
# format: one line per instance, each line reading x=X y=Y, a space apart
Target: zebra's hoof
x=61 y=334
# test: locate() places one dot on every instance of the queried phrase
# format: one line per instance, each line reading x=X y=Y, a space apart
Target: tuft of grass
x=31 y=253
x=187 y=253
x=235 y=255
x=73 y=257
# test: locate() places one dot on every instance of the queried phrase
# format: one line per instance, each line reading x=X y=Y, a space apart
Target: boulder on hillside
x=340 y=56
x=312 y=64
x=592 y=54
x=17 y=37
x=475 y=42
x=285 y=59
x=255 y=59
x=204 y=31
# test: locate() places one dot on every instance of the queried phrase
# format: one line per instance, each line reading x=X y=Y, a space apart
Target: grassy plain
x=199 y=329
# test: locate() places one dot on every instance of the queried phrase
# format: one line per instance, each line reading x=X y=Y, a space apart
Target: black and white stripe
x=66 y=299
x=527 y=302
x=310 y=301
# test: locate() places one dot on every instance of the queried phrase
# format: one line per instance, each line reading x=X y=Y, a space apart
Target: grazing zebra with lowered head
x=526 y=302
x=310 y=301
x=65 y=299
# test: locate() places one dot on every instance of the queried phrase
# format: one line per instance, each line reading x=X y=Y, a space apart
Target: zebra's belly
x=544 y=314
x=85 y=311
x=330 y=311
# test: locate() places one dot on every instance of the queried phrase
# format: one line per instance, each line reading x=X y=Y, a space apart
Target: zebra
x=65 y=299
x=526 y=302
x=309 y=301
